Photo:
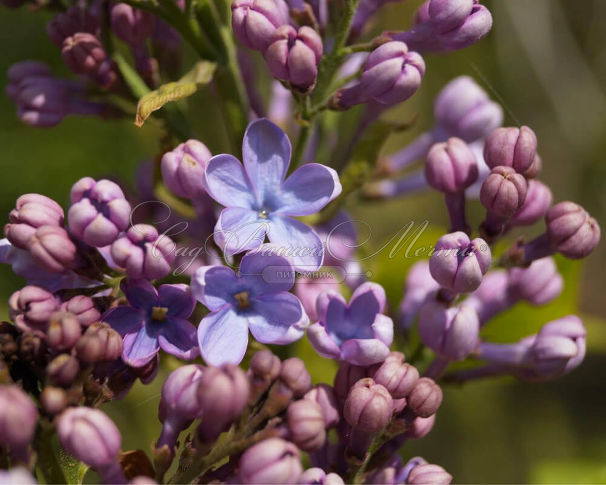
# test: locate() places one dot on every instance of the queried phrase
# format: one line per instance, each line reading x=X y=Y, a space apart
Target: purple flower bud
x=451 y=332
x=51 y=248
x=83 y=307
x=398 y=377
x=254 y=21
x=451 y=166
x=62 y=370
x=183 y=169
x=143 y=253
x=295 y=376
x=223 y=394
x=31 y=308
x=512 y=147
x=84 y=54
x=324 y=395
x=492 y=297
x=347 y=375
x=63 y=331
x=179 y=404
x=306 y=424
x=53 y=400
x=503 y=192
x=17 y=421
x=293 y=56
x=31 y=212
x=99 y=211
x=538 y=284
x=446 y=15
x=419 y=284
x=420 y=427
x=418 y=472
x=537 y=203
x=263 y=371
x=368 y=406
x=572 y=231
x=91 y=437
x=75 y=19
x=100 y=343
x=317 y=476
x=425 y=398
x=458 y=263
x=271 y=461
x=130 y=24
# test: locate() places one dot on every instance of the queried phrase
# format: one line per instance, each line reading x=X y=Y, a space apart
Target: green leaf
x=200 y=75
x=73 y=469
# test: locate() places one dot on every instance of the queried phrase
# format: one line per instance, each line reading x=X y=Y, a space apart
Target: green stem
x=300 y=145
x=48 y=463
x=357 y=474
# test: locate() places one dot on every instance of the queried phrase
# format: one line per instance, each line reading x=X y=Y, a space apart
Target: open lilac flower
x=154 y=319
x=256 y=298
x=357 y=333
x=261 y=201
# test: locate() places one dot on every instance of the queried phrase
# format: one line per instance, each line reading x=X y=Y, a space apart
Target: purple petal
x=141 y=347
x=272 y=316
x=223 y=337
x=323 y=300
x=308 y=190
x=238 y=230
x=266 y=153
x=228 y=184
x=177 y=336
x=298 y=242
x=322 y=342
x=382 y=328
x=214 y=286
x=124 y=319
x=265 y=271
x=178 y=299
x=364 y=352
x=367 y=301
x=296 y=330
x=140 y=293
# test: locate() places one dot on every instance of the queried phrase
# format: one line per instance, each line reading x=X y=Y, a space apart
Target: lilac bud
x=31 y=212
x=419 y=284
x=223 y=394
x=179 y=404
x=463 y=109
x=347 y=375
x=324 y=395
x=83 y=307
x=51 y=248
x=53 y=400
x=100 y=343
x=91 y=437
x=317 y=476
x=571 y=230
x=368 y=406
x=75 y=19
x=492 y=297
x=446 y=15
x=295 y=376
x=451 y=166
x=418 y=472
x=254 y=21
x=99 y=211
x=293 y=55
x=420 y=427
x=63 y=331
x=63 y=370
x=398 y=377
x=17 y=421
x=512 y=147
x=130 y=24
x=271 y=461
x=31 y=307
x=425 y=398
x=458 y=263
x=503 y=192
x=183 y=169
x=263 y=371
x=84 y=54
x=538 y=284
x=306 y=424
x=451 y=332
x=537 y=203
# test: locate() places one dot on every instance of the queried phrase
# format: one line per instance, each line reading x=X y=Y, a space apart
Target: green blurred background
x=544 y=61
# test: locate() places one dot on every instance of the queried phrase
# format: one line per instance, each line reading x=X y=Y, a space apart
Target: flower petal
x=382 y=329
x=223 y=337
x=177 y=336
x=140 y=293
x=272 y=315
x=297 y=242
x=124 y=319
x=141 y=347
x=364 y=352
x=265 y=271
x=323 y=301
x=238 y=230
x=178 y=299
x=266 y=153
x=296 y=330
x=214 y=286
x=322 y=343
x=228 y=183
x=366 y=302
x=308 y=190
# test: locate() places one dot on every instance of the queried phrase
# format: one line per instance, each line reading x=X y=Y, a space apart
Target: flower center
x=242 y=299
x=263 y=214
x=158 y=313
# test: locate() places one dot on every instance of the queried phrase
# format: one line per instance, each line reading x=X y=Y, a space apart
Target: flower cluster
x=117 y=291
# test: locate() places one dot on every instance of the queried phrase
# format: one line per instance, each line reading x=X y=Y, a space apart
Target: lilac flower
x=259 y=200
x=357 y=333
x=256 y=298
x=154 y=319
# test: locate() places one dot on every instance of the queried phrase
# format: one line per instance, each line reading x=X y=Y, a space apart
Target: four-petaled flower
x=256 y=298
x=357 y=333
x=259 y=200
x=154 y=319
